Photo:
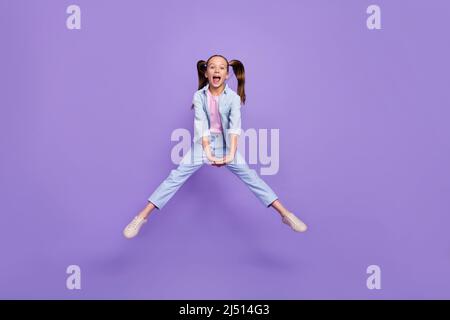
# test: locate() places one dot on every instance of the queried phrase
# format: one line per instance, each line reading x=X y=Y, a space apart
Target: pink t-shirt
x=213 y=103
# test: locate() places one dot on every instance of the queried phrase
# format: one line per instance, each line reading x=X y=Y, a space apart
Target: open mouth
x=216 y=79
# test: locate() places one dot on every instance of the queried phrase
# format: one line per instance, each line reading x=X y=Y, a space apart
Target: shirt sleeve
x=235 y=116
x=201 y=127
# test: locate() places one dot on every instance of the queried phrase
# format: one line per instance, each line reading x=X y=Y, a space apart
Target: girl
x=217 y=125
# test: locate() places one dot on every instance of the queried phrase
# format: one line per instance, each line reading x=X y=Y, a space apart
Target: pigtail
x=202 y=80
x=201 y=69
x=239 y=72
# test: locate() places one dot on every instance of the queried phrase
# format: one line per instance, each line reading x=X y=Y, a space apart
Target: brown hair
x=238 y=69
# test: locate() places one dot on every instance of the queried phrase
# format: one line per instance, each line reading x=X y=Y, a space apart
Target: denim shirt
x=229 y=110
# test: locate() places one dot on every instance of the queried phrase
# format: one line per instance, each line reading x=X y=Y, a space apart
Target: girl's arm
x=233 y=146
x=207 y=148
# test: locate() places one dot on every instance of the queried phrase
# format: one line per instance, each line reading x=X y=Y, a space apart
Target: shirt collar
x=224 y=90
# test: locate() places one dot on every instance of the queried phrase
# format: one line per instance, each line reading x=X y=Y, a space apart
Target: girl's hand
x=214 y=161
x=218 y=163
x=225 y=160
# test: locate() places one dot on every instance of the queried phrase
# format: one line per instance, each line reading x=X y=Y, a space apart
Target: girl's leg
x=278 y=206
x=241 y=169
x=249 y=176
x=257 y=185
x=146 y=211
x=190 y=163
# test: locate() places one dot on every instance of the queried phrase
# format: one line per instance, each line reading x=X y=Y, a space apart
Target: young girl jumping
x=217 y=125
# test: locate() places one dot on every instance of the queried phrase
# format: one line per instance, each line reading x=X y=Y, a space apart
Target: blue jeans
x=196 y=157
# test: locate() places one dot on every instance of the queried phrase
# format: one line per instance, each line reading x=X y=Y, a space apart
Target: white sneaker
x=132 y=229
x=295 y=223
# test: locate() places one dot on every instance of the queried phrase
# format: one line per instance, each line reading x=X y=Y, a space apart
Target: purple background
x=86 y=119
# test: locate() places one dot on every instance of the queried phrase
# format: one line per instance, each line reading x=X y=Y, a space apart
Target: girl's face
x=216 y=71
